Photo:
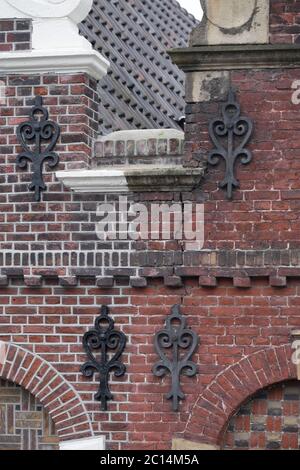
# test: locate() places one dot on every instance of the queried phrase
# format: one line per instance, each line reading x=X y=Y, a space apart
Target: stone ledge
x=65 y=61
x=183 y=444
x=132 y=178
x=235 y=57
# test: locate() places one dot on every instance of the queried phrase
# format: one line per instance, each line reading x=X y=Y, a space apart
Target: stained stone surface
x=233 y=22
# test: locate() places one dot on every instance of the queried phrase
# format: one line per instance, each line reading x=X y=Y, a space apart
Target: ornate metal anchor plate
x=175 y=345
x=230 y=134
x=105 y=339
x=38 y=137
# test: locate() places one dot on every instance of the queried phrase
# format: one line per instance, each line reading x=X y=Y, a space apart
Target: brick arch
x=54 y=392
x=232 y=387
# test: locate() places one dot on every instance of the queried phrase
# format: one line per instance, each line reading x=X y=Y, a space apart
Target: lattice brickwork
x=269 y=421
x=24 y=423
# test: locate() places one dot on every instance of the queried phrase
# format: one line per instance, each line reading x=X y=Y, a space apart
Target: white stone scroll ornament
x=232 y=22
x=54 y=21
x=77 y=10
x=57 y=45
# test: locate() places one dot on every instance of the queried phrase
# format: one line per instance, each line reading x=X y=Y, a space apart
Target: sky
x=193 y=6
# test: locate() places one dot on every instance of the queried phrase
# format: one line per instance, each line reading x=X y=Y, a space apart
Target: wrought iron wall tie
x=105 y=339
x=38 y=137
x=175 y=345
x=230 y=134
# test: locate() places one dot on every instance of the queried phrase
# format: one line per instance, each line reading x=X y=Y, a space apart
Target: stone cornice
x=131 y=178
x=68 y=61
x=235 y=57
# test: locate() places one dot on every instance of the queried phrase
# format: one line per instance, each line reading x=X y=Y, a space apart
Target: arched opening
x=270 y=420
x=55 y=393
x=223 y=396
x=24 y=422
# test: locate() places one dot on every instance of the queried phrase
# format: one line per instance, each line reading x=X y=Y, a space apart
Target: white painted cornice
x=57 y=45
x=69 y=61
x=131 y=178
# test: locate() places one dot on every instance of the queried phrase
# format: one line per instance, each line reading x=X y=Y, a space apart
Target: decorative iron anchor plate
x=230 y=134
x=38 y=137
x=175 y=345
x=103 y=338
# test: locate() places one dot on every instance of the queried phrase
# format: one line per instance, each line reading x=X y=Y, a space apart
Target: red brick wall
x=240 y=294
x=72 y=103
x=264 y=213
x=284 y=21
x=15 y=35
x=232 y=323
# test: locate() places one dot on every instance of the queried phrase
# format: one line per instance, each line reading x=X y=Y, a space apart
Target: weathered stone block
x=206 y=86
x=233 y=22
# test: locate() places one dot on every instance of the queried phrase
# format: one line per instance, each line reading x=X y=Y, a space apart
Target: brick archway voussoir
x=48 y=385
x=225 y=394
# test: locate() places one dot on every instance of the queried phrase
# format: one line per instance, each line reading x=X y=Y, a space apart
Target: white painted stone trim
x=68 y=61
x=90 y=443
x=124 y=179
x=94 y=181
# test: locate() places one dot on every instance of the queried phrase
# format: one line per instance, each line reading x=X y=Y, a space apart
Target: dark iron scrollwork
x=175 y=345
x=38 y=137
x=104 y=338
x=230 y=134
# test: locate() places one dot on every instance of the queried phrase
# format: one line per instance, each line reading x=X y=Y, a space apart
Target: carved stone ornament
x=232 y=22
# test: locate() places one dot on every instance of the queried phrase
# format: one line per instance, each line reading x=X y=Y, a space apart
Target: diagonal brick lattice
x=24 y=423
